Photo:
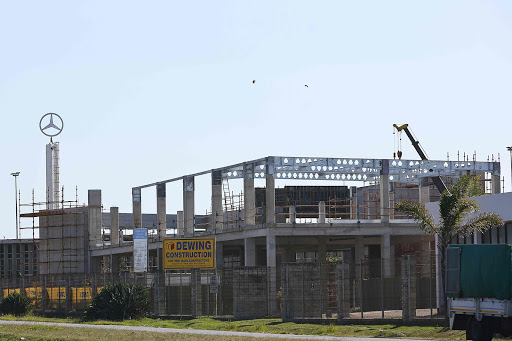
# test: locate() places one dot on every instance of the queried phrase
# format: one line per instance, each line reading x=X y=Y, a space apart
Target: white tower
x=52 y=175
x=52 y=159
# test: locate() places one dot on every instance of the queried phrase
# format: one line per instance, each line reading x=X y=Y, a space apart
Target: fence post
x=195 y=292
x=361 y=289
x=408 y=288
x=342 y=291
x=43 y=294
x=284 y=294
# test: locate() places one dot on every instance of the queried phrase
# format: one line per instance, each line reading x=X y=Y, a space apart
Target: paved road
x=199 y=331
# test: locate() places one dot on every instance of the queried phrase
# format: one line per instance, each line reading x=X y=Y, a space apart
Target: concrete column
x=385 y=252
x=271 y=249
x=270 y=193
x=196 y=293
x=353 y=203
x=180 y=224
x=94 y=219
x=343 y=290
x=385 y=212
x=219 y=255
x=114 y=226
x=291 y=214
x=217 y=210
x=249 y=195
x=137 y=208
x=161 y=212
x=250 y=251
x=408 y=288
x=495 y=184
x=188 y=204
x=321 y=212
x=424 y=191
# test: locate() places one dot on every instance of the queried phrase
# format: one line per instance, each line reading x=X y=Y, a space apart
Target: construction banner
x=189 y=253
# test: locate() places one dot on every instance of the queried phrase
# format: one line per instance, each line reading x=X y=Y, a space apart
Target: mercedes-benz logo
x=51 y=129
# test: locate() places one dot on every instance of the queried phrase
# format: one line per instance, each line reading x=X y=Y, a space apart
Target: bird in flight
x=253 y=81
x=306 y=85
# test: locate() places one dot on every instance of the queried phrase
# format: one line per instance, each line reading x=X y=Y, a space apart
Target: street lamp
x=15 y=174
x=510 y=150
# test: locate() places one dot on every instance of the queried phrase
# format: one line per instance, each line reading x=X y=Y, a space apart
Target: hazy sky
x=158 y=89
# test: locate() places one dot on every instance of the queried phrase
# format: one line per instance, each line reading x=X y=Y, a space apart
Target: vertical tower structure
x=52 y=175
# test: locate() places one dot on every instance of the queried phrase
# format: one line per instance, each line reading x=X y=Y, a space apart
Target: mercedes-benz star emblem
x=50 y=129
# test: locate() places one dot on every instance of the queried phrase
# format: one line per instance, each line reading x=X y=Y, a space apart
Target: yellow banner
x=189 y=253
x=81 y=294
x=34 y=293
x=10 y=291
x=57 y=293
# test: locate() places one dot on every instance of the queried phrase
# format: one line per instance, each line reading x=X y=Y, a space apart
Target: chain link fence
x=403 y=289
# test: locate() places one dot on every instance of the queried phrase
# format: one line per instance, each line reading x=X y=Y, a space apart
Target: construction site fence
x=403 y=289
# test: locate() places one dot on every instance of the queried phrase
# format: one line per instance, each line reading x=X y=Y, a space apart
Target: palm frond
x=480 y=223
x=419 y=213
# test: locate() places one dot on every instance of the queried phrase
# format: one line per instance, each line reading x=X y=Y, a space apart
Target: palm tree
x=454 y=207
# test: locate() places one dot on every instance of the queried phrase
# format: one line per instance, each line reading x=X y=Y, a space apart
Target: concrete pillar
x=180 y=224
x=408 y=288
x=217 y=210
x=188 y=204
x=495 y=184
x=424 y=191
x=272 y=274
x=271 y=249
x=161 y=212
x=250 y=251
x=321 y=212
x=353 y=203
x=343 y=290
x=137 y=208
x=292 y=214
x=270 y=193
x=94 y=218
x=249 y=195
x=219 y=255
x=196 y=293
x=114 y=226
x=385 y=252
x=385 y=212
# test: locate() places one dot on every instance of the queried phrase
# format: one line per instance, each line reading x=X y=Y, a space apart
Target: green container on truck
x=479 y=289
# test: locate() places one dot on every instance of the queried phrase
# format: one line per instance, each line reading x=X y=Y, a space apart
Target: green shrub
x=15 y=304
x=118 y=302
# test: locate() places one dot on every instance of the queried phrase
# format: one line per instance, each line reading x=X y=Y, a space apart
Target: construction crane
x=438 y=182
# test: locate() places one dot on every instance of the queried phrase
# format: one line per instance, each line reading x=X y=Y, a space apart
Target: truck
x=479 y=289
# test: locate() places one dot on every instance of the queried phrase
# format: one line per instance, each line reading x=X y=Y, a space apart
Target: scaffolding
x=58 y=234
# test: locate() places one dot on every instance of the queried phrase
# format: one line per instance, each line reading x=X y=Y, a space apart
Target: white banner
x=140 y=250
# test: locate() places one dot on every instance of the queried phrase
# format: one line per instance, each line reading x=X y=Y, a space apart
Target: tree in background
x=455 y=206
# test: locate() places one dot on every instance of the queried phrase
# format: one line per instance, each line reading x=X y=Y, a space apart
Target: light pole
x=15 y=174
x=510 y=150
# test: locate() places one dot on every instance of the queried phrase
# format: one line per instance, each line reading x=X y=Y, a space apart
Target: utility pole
x=15 y=174
x=510 y=150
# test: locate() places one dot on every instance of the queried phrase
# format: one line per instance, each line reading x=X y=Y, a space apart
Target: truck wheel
x=480 y=331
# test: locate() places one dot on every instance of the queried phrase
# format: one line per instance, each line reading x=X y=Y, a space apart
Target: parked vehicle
x=479 y=290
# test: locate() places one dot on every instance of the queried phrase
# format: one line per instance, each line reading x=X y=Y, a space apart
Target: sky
x=158 y=89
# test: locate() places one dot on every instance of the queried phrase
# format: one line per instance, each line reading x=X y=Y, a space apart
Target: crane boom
x=438 y=182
